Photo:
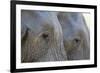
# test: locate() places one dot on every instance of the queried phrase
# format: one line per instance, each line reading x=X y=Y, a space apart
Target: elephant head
x=42 y=38
x=76 y=35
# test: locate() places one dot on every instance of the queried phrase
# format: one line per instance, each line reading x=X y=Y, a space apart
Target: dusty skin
x=53 y=36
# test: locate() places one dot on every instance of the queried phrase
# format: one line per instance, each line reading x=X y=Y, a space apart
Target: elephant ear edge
x=24 y=32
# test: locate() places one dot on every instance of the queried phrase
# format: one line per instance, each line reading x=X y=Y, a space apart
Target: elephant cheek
x=54 y=54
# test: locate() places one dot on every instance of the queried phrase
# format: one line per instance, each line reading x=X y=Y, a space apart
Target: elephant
x=53 y=36
x=41 y=31
x=76 y=35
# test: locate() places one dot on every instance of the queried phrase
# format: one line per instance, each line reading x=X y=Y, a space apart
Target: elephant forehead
x=36 y=20
x=72 y=22
x=71 y=19
x=73 y=25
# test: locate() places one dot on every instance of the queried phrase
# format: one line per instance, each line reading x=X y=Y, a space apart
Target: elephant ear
x=23 y=24
x=28 y=22
x=24 y=33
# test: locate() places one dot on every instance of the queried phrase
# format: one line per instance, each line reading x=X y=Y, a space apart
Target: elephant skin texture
x=53 y=36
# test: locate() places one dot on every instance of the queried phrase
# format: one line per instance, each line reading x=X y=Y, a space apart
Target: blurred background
x=87 y=19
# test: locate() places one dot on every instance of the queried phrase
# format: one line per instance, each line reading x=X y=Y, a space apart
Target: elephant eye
x=45 y=35
x=77 y=41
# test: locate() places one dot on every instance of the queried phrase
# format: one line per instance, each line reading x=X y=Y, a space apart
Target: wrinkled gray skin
x=53 y=36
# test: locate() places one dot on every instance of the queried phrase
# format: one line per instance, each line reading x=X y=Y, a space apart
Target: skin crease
x=53 y=36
